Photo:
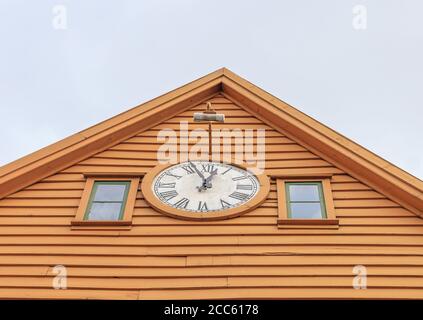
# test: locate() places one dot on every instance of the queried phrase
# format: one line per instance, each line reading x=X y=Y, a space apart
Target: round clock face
x=203 y=186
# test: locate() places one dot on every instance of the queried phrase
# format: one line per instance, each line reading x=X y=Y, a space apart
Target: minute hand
x=198 y=171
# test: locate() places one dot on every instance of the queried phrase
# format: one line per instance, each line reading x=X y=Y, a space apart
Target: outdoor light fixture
x=209 y=116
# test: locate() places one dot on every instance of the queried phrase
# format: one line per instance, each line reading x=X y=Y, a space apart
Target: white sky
x=365 y=84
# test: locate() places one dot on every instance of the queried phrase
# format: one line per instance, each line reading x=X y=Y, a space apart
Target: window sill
x=101 y=225
x=308 y=223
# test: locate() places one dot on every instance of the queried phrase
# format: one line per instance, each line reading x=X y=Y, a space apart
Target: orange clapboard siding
x=97 y=250
x=280 y=293
x=215 y=282
x=243 y=257
x=231 y=293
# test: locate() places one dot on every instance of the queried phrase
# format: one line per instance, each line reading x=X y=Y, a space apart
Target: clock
x=204 y=190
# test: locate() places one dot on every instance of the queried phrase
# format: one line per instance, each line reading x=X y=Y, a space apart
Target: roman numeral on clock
x=208 y=167
x=226 y=171
x=244 y=187
x=202 y=206
x=182 y=203
x=238 y=195
x=224 y=204
x=173 y=175
x=167 y=185
x=167 y=195
x=188 y=169
x=239 y=178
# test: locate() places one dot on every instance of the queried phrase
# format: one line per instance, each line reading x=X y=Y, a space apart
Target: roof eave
x=362 y=164
x=60 y=155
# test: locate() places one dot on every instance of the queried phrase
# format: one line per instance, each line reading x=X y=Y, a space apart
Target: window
x=305 y=200
x=107 y=201
x=305 y=203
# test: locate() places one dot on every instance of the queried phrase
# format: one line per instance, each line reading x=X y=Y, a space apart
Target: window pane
x=303 y=192
x=306 y=211
x=104 y=211
x=110 y=192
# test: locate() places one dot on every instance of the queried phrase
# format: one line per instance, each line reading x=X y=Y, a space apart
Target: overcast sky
x=113 y=55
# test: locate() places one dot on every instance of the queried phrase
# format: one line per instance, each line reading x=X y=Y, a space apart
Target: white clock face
x=203 y=186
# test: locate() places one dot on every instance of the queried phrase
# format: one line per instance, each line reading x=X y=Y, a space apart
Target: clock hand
x=209 y=178
x=197 y=171
x=203 y=184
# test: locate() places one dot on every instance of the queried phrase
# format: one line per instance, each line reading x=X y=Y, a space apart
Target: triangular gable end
x=360 y=163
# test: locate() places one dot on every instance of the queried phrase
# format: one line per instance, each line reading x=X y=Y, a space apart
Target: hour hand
x=209 y=178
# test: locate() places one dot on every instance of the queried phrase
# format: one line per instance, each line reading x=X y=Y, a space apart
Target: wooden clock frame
x=153 y=201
